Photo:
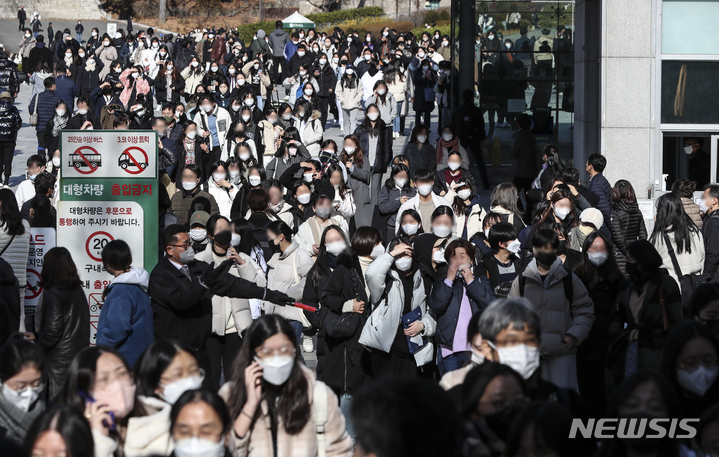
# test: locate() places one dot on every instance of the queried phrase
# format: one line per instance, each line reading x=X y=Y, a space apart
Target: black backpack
x=260 y=235
x=566 y=281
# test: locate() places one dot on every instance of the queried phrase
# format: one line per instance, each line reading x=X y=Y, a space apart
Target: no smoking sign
x=96 y=243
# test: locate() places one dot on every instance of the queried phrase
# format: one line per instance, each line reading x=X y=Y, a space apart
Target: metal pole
x=467 y=60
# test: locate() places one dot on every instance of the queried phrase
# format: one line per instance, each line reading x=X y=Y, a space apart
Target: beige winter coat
x=689 y=263
x=692 y=210
x=146 y=435
x=349 y=98
x=269 y=133
x=287 y=272
x=233 y=310
x=258 y=441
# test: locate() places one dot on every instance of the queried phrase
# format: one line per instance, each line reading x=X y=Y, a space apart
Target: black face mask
x=500 y=422
x=632 y=268
x=223 y=238
x=107 y=90
x=546 y=258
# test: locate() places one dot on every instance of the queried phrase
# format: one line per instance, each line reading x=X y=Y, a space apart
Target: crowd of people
x=441 y=324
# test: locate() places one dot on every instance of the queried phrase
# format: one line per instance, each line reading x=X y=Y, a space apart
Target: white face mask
x=464 y=194
x=301 y=53
x=22 y=399
x=293 y=152
x=421 y=138
x=438 y=256
x=60 y=112
x=447 y=136
x=199 y=447
x=514 y=246
x=441 y=230
x=308 y=177
x=336 y=248
x=254 y=180
x=421 y=56
x=175 y=389
x=189 y=185
x=454 y=166
x=335 y=60
x=561 y=213
x=377 y=251
x=521 y=358
x=410 y=229
x=191 y=135
x=250 y=101
x=403 y=263
x=309 y=91
x=219 y=176
x=82 y=112
x=486 y=234
x=381 y=91
x=373 y=115
x=697 y=381
x=231 y=71
x=277 y=369
x=56 y=162
x=424 y=189
x=477 y=358
x=286 y=116
x=234 y=173
x=323 y=62
x=349 y=71
x=350 y=150
x=236 y=239
x=367 y=57
x=246 y=117
x=198 y=234
x=688 y=149
x=195 y=64
x=400 y=182
x=304 y=198
x=207 y=108
x=597 y=258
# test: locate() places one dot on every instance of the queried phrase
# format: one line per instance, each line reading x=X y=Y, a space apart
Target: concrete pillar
x=466 y=57
x=629 y=94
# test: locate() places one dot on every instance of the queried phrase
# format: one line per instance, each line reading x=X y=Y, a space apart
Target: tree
x=163 y=11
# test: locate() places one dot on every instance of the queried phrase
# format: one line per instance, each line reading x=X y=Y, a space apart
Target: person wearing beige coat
x=258 y=441
x=287 y=272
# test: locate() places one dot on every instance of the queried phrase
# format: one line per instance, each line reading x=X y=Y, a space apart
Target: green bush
x=345 y=15
x=247 y=31
x=431 y=16
x=444 y=15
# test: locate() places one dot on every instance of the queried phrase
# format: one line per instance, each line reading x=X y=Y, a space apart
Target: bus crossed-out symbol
x=91 y=168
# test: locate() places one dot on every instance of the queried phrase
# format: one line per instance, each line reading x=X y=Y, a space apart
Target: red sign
x=91 y=161
x=95 y=244
x=128 y=161
x=32 y=290
x=94 y=302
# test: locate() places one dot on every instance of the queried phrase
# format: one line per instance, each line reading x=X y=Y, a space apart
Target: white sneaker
x=307 y=344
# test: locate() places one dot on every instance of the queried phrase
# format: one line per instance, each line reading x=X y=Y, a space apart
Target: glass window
x=689 y=27
x=687 y=155
x=689 y=92
x=525 y=64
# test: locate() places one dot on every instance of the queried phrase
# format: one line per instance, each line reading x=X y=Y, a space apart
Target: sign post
x=108 y=191
x=42 y=239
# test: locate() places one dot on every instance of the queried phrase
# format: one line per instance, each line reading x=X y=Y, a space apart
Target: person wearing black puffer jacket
x=626 y=221
x=327 y=80
x=346 y=297
x=10 y=123
x=8 y=75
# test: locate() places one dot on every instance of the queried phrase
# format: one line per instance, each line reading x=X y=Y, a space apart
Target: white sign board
x=42 y=239
x=111 y=29
x=108 y=153
x=85 y=228
x=647 y=209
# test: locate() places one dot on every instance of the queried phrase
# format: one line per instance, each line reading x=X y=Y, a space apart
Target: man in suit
x=21 y=17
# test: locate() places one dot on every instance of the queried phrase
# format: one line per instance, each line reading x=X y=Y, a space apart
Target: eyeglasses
x=186 y=245
x=263 y=353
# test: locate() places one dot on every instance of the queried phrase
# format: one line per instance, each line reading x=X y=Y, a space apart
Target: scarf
x=68 y=61
x=451 y=146
x=16 y=421
x=90 y=65
x=278 y=207
x=58 y=123
x=450 y=178
x=189 y=150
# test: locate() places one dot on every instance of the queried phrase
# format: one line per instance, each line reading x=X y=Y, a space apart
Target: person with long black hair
x=14 y=248
x=345 y=298
x=376 y=144
x=649 y=304
x=199 y=423
x=626 y=220
x=601 y=276
x=689 y=362
x=395 y=282
x=679 y=242
x=22 y=370
x=273 y=399
x=60 y=431
x=397 y=190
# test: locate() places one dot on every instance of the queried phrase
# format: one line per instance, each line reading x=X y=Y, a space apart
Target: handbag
x=33 y=115
x=687 y=283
